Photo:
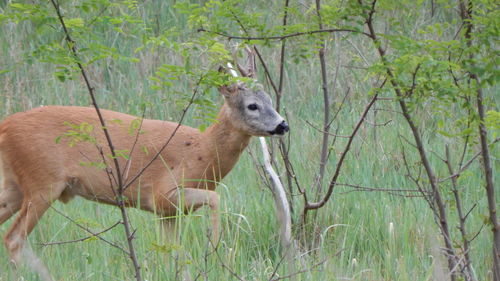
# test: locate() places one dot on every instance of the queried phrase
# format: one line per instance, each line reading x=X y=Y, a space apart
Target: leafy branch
x=120 y=188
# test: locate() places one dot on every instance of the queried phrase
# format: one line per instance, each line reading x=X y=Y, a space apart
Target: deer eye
x=252 y=106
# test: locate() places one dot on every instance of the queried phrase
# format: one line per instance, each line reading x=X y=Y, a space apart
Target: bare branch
x=326 y=109
x=466 y=268
x=384 y=189
x=437 y=199
x=277 y=91
x=322 y=131
x=282 y=37
x=282 y=58
x=129 y=160
x=81 y=239
x=91 y=232
x=340 y=106
x=379 y=124
x=470 y=210
x=223 y=264
x=467 y=164
x=319 y=204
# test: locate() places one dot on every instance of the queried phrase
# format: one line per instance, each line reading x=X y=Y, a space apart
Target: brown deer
x=38 y=170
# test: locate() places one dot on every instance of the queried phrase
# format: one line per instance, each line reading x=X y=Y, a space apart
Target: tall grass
x=362 y=235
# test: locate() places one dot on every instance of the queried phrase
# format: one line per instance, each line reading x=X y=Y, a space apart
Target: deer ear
x=228 y=90
x=222 y=69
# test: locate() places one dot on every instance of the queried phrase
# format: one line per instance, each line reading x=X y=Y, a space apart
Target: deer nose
x=282 y=128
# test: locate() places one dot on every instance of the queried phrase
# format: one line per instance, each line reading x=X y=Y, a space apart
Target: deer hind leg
x=33 y=207
x=191 y=199
x=11 y=200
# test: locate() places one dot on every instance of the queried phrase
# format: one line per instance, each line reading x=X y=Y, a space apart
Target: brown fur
x=33 y=162
x=37 y=170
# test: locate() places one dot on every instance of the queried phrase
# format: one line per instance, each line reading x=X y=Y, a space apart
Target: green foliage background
x=151 y=55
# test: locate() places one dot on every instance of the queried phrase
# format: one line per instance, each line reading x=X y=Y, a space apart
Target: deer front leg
x=191 y=199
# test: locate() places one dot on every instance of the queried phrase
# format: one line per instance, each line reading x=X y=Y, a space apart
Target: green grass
x=354 y=240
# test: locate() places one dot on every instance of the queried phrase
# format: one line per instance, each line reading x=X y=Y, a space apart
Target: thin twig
x=467 y=164
x=324 y=132
x=341 y=106
x=282 y=58
x=282 y=37
x=318 y=185
x=379 y=124
x=129 y=160
x=91 y=232
x=81 y=239
x=300 y=271
x=326 y=197
x=466 y=270
x=470 y=210
x=366 y=188
x=184 y=111
x=229 y=269
x=437 y=198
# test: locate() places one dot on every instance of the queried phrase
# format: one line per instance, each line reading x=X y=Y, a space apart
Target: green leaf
x=444 y=133
x=492 y=119
x=74 y=22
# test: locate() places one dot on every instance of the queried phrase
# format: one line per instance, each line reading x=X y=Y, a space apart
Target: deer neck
x=225 y=143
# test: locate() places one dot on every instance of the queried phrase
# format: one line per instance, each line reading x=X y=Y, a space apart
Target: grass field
x=362 y=235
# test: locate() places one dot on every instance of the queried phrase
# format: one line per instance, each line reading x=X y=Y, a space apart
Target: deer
x=37 y=169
